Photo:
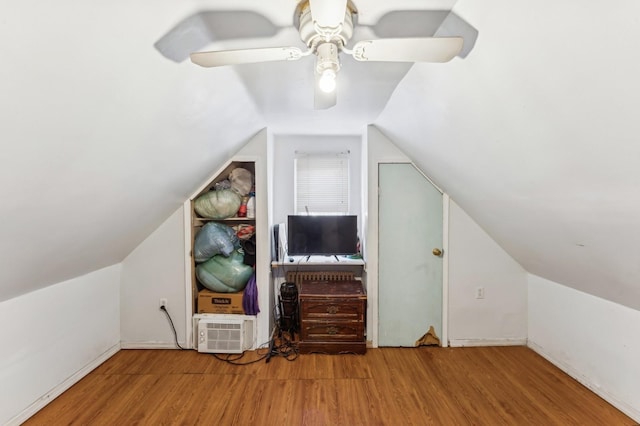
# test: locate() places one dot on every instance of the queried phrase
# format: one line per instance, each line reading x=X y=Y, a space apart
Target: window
x=322 y=183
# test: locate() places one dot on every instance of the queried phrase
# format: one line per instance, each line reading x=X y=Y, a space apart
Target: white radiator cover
x=220 y=333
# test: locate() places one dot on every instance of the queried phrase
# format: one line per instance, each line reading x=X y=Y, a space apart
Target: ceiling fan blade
x=328 y=13
x=321 y=99
x=441 y=49
x=245 y=56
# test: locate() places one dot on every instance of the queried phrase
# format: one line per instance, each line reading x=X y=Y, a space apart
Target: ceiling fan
x=326 y=27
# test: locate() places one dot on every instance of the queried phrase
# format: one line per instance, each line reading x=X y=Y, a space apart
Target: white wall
x=592 y=339
x=52 y=337
x=476 y=260
x=154 y=270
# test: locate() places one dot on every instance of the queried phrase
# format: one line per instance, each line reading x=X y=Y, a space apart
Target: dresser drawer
x=328 y=309
x=331 y=331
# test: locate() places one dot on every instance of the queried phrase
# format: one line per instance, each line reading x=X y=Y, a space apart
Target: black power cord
x=175 y=334
x=282 y=347
x=234 y=360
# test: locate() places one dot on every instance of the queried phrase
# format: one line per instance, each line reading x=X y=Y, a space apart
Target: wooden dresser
x=332 y=317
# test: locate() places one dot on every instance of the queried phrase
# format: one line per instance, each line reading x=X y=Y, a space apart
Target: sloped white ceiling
x=534 y=133
x=102 y=138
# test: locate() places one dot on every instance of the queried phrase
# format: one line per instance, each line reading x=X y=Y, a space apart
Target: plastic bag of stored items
x=241 y=180
x=224 y=274
x=218 y=204
x=212 y=239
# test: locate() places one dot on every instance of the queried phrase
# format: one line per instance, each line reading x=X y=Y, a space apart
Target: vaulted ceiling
x=534 y=133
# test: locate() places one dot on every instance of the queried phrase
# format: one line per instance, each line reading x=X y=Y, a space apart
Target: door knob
x=437 y=252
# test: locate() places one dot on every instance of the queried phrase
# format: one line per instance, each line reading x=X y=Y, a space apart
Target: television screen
x=322 y=235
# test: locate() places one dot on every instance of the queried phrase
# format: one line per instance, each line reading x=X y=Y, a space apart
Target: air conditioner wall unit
x=220 y=333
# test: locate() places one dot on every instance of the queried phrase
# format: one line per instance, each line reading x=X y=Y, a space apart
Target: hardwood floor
x=387 y=386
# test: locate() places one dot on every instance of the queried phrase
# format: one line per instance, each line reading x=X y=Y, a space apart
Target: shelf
x=318 y=263
x=294 y=261
x=232 y=220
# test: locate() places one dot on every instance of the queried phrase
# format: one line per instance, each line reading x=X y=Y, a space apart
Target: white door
x=409 y=274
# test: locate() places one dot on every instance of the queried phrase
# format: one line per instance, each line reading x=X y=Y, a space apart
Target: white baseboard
x=584 y=380
x=459 y=343
x=45 y=399
x=150 y=345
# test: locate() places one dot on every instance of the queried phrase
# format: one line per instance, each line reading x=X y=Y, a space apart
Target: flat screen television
x=322 y=235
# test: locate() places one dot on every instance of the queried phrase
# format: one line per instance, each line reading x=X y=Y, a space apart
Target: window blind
x=322 y=184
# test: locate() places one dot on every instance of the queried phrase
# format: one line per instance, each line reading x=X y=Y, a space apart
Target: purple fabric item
x=250 y=298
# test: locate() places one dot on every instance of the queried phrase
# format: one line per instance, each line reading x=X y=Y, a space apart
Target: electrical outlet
x=479 y=292
x=163 y=303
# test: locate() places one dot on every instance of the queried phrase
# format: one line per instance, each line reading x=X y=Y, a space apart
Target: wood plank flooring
x=387 y=386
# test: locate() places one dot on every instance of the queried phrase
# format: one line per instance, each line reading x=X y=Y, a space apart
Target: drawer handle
x=332 y=330
x=332 y=310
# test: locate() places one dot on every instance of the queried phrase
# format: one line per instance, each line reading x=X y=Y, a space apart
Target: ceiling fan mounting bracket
x=314 y=35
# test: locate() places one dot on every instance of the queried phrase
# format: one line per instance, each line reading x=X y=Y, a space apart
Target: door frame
x=373 y=251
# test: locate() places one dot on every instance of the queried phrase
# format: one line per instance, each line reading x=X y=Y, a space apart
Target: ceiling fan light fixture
x=327 y=66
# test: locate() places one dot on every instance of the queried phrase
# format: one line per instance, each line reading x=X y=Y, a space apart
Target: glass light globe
x=327 y=82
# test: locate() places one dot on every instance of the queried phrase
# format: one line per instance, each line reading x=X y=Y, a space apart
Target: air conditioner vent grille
x=223 y=326
x=224 y=334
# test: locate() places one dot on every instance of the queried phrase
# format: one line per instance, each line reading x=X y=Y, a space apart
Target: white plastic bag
x=218 y=204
